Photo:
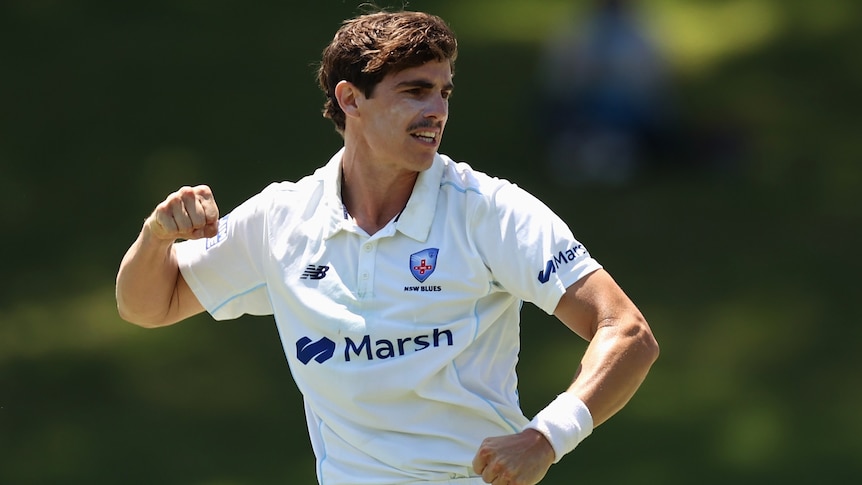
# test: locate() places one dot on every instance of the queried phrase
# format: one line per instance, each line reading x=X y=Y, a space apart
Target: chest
x=388 y=277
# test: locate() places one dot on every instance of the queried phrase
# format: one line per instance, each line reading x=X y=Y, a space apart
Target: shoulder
x=281 y=202
x=274 y=194
x=304 y=185
x=461 y=177
x=497 y=193
x=292 y=193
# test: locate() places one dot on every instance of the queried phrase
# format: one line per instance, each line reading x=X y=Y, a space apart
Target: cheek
x=391 y=122
x=398 y=112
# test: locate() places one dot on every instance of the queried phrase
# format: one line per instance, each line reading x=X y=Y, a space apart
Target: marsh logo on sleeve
x=561 y=259
x=221 y=235
x=423 y=263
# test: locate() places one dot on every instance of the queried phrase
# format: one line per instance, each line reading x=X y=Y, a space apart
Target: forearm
x=150 y=290
x=147 y=281
x=614 y=365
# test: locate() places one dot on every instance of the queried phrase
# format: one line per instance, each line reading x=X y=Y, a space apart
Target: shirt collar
x=414 y=221
x=334 y=213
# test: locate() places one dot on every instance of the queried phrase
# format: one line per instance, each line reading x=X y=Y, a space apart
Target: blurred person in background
x=605 y=97
x=396 y=277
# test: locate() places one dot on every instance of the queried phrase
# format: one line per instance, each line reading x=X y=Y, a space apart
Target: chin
x=426 y=163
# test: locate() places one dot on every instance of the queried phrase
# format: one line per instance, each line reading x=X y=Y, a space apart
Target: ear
x=347 y=95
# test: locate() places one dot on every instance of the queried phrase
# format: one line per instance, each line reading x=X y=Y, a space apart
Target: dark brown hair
x=367 y=48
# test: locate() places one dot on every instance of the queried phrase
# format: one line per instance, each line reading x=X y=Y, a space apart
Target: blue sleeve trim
x=246 y=292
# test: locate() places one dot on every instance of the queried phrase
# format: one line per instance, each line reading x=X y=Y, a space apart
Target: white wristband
x=565 y=423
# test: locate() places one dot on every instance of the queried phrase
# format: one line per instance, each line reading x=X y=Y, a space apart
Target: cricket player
x=395 y=276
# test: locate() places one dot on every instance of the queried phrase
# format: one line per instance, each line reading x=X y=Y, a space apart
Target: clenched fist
x=188 y=213
x=517 y=459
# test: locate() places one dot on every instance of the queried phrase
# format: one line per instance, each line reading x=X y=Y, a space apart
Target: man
x=395 y=276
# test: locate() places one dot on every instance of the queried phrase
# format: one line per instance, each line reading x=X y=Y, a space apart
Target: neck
x=374 y=194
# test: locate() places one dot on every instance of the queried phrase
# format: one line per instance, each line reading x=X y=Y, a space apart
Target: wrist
x=153 y=234
x=565 y=422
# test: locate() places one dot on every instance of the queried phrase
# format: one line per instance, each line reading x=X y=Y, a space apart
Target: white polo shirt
x=403 y=343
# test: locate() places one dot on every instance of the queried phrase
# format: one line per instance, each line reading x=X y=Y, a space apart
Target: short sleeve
x=531 y=252
x=225 y=272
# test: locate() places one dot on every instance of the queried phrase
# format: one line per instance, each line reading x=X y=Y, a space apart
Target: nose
x=438 y=107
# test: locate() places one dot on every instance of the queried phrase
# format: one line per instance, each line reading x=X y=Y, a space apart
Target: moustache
x=425 y=124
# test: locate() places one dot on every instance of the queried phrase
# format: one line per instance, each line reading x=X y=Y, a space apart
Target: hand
x=518 y=459
x=188 y=213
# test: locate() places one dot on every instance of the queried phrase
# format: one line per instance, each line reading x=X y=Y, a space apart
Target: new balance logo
x=313 y=272
x=320 y=351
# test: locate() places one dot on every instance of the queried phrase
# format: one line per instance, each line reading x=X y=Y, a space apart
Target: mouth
x=426 y=136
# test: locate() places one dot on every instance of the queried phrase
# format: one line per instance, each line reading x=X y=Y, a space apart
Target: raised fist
x=188 y=213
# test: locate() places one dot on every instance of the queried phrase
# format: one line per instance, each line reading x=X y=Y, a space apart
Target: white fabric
x=565 y=422
x=419 y=365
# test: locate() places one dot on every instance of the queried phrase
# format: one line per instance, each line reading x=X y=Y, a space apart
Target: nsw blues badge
x=423 y=263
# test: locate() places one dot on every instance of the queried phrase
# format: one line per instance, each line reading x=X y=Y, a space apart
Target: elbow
x=143 y=312
x=653 y=349
x=634 y=338
x=136 y=319
x=139 y=318
x=646 y=341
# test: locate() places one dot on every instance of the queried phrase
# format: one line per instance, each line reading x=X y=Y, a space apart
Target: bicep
x=591 y=302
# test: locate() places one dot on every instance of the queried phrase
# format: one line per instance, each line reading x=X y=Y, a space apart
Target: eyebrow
x=421 y=83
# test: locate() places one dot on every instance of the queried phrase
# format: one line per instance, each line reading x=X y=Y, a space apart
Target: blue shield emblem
x=423 y=263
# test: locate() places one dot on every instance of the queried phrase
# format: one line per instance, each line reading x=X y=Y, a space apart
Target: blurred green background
x=740 y=242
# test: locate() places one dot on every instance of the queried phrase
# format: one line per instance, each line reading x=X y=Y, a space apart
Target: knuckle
x=173 y=199
x=202 y=191
x=506 y=476
x=187 y=193
x=166 y=208
x=183 y=191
